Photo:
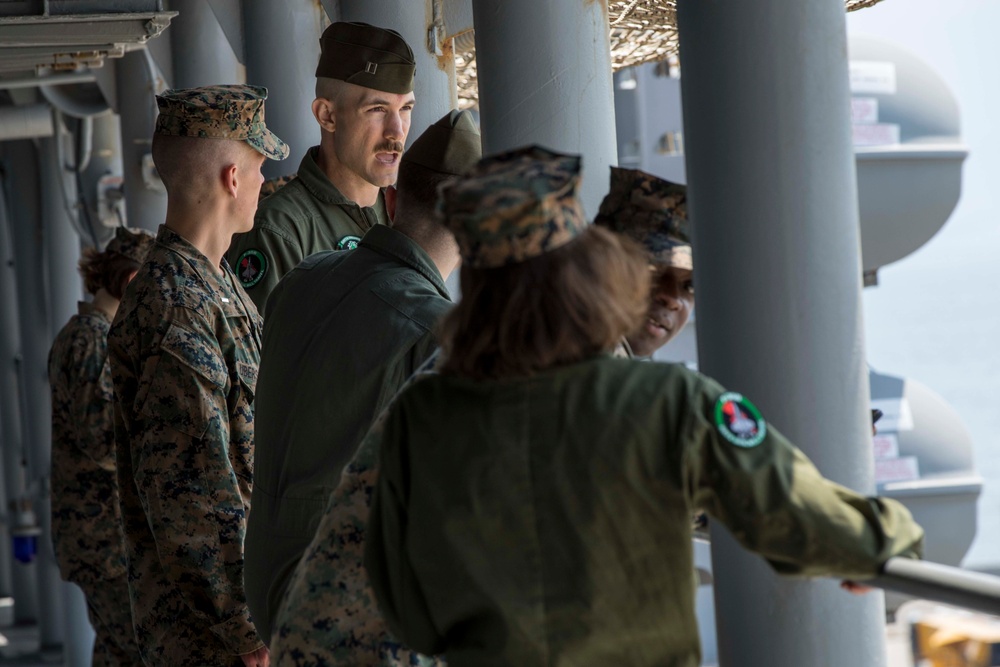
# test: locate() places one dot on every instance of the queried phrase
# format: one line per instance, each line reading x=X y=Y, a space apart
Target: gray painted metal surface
x=51 y=80
x=931 y=470
x=772 y=187
x=941 y=583
x=146 y=207
x=545 y=77
x=229 y=14
x=26 y=122
x=201 y=54
x=63 y=617
x=434 y=85
x=13 y=480
x=29 y=231
x=79 y=100
x=282 y=49
x=29 y=40
x=101 y=182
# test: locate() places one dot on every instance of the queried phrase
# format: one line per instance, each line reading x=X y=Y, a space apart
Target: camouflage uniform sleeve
x=185 y=480
x=263 y=255
x=396 y=589
x=776 y=503
x=91 y=404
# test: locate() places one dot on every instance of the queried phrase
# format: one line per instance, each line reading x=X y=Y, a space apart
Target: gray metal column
x=774 y=200
x=79 y=633
x=101 y=181
x=545 y=77
x=199 y=49
x=62 y=603
x=137 y=84
x=62 y=242
x=13 y=479
x=29 y=230
x=282 y=49
x=434 y=84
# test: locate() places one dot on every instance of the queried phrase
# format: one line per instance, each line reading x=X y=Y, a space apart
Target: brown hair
x=558 y=308
x=109 y=271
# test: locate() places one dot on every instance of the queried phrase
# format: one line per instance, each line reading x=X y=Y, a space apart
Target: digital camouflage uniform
x=86 y=519
x=310 y=214
x=184 y=352
x=272 y=185
x=652 y=212
x=545 y=521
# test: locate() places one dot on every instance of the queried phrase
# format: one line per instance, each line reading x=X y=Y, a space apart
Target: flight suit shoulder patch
x=739 y=421
x=251 y=267
x=348 y=243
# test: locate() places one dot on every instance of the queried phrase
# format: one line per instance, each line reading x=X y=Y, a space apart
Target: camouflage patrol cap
x=219 y=112
x=131 y=243
x=514 y=206
x=651 y=211
x=450 y=146
x=367 y=56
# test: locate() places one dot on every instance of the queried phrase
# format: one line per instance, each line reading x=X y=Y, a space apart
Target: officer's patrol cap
x=131 y=243
x=514 y=206
x=450 y=146
x=219 y=112
x=651 y=211
x=367 y=56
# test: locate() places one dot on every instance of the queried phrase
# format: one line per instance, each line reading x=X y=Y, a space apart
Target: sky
x=935 y=315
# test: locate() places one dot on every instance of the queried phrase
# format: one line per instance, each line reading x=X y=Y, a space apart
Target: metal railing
x=941 y=583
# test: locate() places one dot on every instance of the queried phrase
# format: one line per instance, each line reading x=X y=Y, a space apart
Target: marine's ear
x=230 y=180
x=322 y=109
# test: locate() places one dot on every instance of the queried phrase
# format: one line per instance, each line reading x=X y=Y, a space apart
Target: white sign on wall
x=873 y=77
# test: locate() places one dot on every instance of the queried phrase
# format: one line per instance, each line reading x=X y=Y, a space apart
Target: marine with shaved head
x=364 y=96
x=183 y=352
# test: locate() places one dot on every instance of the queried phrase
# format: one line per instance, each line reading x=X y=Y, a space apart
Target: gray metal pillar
x=199 y=49
x=36 y=339
x=774 y=196
x=13 y=479
x=79 y=633
x=282 y=49
x=137 y=83
x=62 y=603
x=545 y=77
x=61 y=214
x=434 y=84
x=101 y=181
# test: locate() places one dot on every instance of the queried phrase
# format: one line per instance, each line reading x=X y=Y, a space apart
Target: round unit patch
x=348 y=243
x=251 y=267
x=739 y=421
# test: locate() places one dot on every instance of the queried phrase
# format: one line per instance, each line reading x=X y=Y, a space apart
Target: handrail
x=940 y=583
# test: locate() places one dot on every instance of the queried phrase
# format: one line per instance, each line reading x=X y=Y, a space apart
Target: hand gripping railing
x=940 y=583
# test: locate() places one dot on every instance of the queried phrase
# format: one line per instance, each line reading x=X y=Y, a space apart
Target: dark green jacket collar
x=402 y=248
x=319 y=186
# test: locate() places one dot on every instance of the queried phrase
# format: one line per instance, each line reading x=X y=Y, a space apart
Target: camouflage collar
x=85 y=308
x=388 y=241
x=222 y=286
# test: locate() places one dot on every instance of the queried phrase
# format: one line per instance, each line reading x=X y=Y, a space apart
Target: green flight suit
x=346 y=329
x=547 y=520
x=307 y=215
